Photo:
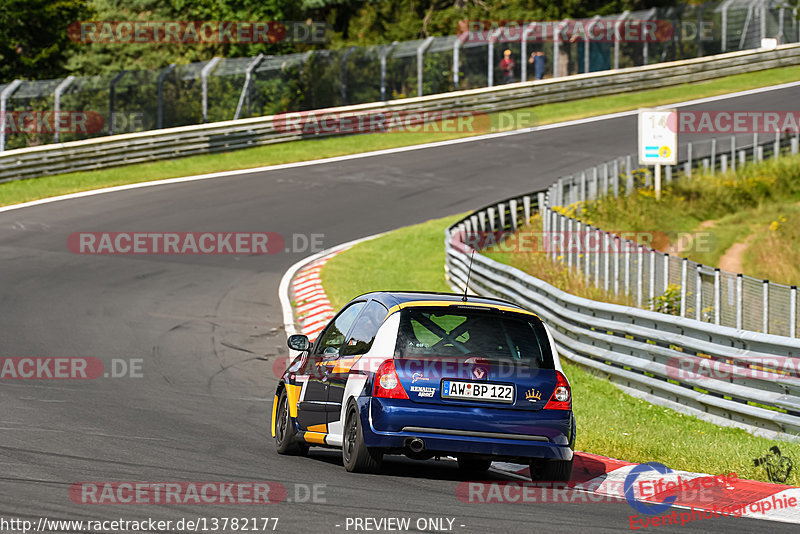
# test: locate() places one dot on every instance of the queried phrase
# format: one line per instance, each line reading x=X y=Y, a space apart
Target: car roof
x=399 y=299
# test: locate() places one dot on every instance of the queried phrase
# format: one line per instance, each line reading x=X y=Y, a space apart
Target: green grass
x=32 y=189
x=728 y=207
x=414 y=255
x=610 y=422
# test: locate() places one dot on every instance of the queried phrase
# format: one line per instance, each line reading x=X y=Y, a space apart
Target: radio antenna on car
x=469 y=273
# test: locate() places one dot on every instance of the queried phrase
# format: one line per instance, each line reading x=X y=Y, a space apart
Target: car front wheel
x=286 y=441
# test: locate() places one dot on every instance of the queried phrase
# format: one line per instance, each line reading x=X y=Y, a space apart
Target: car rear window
x=456 y=332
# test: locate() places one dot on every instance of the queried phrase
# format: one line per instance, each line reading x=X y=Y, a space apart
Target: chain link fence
x=77 y=107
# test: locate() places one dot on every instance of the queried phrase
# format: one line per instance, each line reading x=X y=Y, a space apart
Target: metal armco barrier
x=640 y=350
x=231 y=135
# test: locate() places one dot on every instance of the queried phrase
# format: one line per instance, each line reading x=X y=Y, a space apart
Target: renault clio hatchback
x=429 y=374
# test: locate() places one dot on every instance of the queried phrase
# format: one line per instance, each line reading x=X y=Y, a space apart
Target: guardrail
x=231 y=135
x=624 y=268
x=731 y=376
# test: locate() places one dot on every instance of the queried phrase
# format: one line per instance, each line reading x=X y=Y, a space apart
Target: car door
x=359 y=341
x=313 y=408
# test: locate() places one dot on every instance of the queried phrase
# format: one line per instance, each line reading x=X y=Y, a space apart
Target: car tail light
x=387 y=383
x=562 y=396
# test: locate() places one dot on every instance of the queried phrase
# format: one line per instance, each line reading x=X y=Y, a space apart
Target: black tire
x=356 y=456
x=286 y=441
x=551 y=470
x=473 y=466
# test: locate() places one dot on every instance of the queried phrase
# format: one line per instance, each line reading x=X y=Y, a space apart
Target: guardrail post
x=597 y=250
x=582 y=193
x=385 y=51
x=482 y=219
x=755 y=148
x=160 y=93
x=776 y=151
x=501 y=214
x=684 y=282
x=669 y=174
x=490 y=213
x=248 y=75
x=512 y=211
x=604 y=182
x=204 y=80
x=587 y=253
x=705 y=165
x=733 y=152
x=579 y=245
x=615 y=181
x=794 y=145
x=629 y=176
x=524 y=50
x=688 y=171
x=560 y=200
x=3 y=99
x=724 y=8
x=627 y=259
x=606 y=259
x=490 y=58
x=698 y=312
x=420 y=53
x=666 y=271
x=765 y=318
x=723 y=163
x=568 y=241
x=616 y=245
x=713 y=155
x=56 y=106
x=739 y=300
x=639 y=275
x=793 y=311
x=717 y=299
x=760 y=153
x=742 y=159
x=112 y=96
x=558 y=229
x=593 y=186
x=652 y=258
x=456 y=65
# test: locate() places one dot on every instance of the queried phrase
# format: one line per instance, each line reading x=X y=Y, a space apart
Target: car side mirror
x=298 y=342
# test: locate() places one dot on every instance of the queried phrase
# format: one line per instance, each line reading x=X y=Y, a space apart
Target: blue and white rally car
x=429 y=374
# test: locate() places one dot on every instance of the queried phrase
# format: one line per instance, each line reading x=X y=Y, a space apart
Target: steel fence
x=640 y=350
x=234 y=88
x=640 y=273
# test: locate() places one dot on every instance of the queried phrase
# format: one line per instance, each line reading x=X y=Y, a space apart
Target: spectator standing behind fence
x=538 y=61
x=507 y=66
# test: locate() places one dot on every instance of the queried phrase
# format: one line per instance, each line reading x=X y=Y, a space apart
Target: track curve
x=209 y=328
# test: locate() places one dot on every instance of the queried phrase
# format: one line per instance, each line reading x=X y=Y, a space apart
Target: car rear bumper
x=503 y=433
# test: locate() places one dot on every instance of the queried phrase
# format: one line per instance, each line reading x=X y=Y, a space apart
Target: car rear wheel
x=286 y=441
x=356 y=456
x=551 y=470
x=473 y=466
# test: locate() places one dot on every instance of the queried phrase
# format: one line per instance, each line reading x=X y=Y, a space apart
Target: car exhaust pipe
x=415 y=444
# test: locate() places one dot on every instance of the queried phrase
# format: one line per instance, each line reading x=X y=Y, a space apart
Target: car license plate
x=481 y=391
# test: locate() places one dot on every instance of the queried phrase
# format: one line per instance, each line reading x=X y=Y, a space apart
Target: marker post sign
x=658 y=140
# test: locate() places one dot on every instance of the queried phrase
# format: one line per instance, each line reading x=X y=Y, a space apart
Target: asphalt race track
x=208 y=332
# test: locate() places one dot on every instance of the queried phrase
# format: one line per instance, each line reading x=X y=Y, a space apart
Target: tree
x=34 y=42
